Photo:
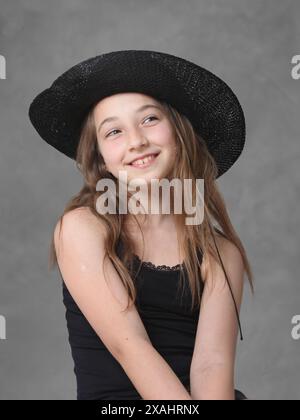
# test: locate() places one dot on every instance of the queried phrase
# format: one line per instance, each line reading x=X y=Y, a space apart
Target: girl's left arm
x=212 y=366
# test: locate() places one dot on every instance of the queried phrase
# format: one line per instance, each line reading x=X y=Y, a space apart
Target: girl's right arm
x=80 y=254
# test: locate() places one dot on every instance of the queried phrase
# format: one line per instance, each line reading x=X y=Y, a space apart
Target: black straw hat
x=207 y=101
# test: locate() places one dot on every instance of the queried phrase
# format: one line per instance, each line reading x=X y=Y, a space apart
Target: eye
x=111 y=132
x=151 y=116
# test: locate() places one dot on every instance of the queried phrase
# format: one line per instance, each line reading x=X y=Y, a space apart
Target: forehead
x=129 y=100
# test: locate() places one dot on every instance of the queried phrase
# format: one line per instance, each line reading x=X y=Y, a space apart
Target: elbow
x=212 y=381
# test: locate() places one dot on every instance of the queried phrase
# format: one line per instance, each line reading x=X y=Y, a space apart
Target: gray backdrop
x=250 y=44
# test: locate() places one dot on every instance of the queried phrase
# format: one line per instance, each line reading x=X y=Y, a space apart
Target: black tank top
x=165 y=309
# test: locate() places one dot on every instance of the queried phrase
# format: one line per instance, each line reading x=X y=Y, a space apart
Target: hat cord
x=236 y=310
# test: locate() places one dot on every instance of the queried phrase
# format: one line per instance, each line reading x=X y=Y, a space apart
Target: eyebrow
x=142 y=108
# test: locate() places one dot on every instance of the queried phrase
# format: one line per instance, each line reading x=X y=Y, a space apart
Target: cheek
x=164 y=136
x=112 y=152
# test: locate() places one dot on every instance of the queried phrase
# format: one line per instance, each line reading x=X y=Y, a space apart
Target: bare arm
x=150 y=373
x=80 y=253
x=212 y=367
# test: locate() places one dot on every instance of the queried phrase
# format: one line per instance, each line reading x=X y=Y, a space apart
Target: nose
x=137 y=140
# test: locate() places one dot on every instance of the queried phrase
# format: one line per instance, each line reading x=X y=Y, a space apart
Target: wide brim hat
x=57 y=113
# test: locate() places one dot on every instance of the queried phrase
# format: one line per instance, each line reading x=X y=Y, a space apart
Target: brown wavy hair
x=193 y=161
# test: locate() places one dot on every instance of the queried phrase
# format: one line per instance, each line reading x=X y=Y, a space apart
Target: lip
x=143 y=156
x=147 y=163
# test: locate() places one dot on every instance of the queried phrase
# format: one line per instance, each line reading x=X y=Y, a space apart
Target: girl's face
x=136 y=125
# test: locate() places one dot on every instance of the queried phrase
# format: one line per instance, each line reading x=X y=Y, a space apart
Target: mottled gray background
x=250 y=44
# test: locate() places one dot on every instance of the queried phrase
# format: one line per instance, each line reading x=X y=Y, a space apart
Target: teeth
x=142 y=161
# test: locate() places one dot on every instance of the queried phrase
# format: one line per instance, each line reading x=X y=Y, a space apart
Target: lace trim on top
x=162 y=267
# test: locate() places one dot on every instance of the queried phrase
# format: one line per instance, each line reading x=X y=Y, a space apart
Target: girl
x=150 y=116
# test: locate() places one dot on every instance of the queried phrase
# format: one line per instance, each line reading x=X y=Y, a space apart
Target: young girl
x=152 y=302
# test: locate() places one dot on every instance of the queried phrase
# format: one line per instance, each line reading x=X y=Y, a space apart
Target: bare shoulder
x=230 y=255
x=79 y=225
x=95 y=284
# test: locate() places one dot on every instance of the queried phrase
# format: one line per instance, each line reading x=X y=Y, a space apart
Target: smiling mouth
x=148 y=161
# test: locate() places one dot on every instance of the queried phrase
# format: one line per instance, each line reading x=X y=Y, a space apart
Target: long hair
x=192 y=161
